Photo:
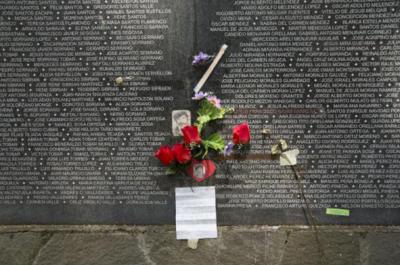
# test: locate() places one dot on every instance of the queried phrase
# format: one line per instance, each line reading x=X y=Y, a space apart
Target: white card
x=289 y=158
x=196 y=215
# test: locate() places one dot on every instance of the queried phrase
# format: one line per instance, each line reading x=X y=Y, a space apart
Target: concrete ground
x=153 y=245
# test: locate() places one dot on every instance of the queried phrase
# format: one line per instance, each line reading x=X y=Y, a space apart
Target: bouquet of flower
x=192 y=155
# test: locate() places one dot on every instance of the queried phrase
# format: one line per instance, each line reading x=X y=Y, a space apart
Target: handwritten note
x=196 y=215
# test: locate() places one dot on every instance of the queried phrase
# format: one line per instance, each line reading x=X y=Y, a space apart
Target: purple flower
x=200 y=59
x=215 y=101
x=228 y=150
x=200 y=95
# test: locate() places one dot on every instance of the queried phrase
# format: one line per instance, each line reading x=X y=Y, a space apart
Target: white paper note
x=289 y=158
x=196 y=215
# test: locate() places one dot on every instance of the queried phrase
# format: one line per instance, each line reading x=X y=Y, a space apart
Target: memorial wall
x=77 y=148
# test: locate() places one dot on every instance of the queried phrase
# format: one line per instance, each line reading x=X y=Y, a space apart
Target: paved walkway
x=153 y=245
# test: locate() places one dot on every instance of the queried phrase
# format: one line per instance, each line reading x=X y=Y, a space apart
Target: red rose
x=164 y=153
x=181 y=153
x=191 y=135
x=241 y=134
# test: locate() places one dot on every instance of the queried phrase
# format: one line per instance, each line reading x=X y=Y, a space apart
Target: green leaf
x=205 y=108
x=170 y=171
x=205 y=153
x=210 y=110
x=203 y=119
x=214 y=142
x=197 y=154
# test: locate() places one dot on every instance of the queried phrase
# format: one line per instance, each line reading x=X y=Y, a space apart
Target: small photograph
x=180 y=119
x=199 y=171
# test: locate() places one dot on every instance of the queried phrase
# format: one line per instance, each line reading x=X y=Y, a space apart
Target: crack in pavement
x=144 y=249
x=44 y=241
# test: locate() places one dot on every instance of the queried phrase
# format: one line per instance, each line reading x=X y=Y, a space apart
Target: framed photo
x=180 y=119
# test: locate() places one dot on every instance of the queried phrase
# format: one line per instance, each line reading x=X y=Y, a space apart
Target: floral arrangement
x=193 y=154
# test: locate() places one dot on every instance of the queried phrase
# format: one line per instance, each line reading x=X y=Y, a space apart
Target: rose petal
x=191 y=135
x=165 y=155
x=241 y=134
x=181 y=153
